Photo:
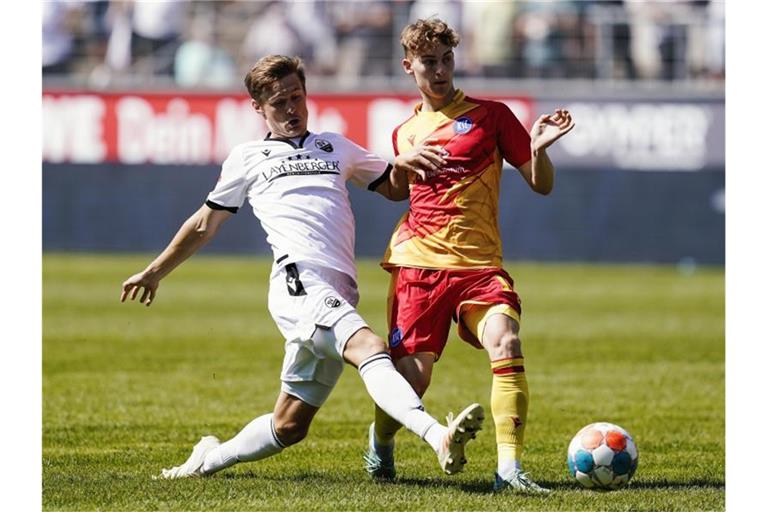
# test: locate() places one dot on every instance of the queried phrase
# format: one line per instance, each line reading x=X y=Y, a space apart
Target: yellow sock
x=509 y=406
x=385 y=427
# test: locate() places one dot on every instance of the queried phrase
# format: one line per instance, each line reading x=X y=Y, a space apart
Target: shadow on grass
x=479 y=486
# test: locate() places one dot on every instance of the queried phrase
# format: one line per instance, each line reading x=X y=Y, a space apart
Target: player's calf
x=291 y=432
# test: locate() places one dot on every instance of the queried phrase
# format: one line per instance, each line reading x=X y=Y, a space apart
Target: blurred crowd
x=211 y=44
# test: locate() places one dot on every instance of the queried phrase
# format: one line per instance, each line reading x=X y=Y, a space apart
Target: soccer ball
x=602 y=456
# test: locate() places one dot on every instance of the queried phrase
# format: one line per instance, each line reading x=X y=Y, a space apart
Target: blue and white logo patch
x=462 y=125
x=395 y=337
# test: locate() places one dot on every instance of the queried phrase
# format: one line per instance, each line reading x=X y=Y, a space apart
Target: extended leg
x=391 y=392
x=380 y=460
x=263 y=437
x=397 y=399
x=417 y=371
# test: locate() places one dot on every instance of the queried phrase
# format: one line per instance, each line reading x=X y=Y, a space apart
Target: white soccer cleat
x=460 y=430
x=193 y=467
x=520 y=483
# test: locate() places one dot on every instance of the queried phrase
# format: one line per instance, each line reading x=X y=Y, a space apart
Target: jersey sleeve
x=366 y=169
x=232 y=188
x=513 y=139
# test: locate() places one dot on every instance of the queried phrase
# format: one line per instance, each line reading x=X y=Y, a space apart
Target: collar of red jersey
x=458 y=96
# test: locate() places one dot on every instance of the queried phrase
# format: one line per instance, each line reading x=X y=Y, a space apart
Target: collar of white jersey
x=289 y=141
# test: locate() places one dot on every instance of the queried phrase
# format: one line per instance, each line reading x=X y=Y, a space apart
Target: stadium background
x=147 y=101
x=142 y=101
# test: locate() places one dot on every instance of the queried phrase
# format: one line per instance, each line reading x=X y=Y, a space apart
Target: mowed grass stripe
x=128 y=390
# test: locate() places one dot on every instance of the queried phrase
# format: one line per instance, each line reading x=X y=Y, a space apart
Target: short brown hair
x=420 y=36
x=271 y=69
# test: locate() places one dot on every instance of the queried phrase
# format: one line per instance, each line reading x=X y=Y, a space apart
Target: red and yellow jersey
x=453 y=218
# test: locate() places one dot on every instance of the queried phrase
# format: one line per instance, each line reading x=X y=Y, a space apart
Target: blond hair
x=271 y=69
x=422 y=35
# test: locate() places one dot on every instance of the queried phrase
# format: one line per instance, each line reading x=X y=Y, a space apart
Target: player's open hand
x=550 y=127
x=426 y=157
x=134 y=284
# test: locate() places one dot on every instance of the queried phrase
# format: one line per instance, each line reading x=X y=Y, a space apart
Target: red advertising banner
x=167 y=128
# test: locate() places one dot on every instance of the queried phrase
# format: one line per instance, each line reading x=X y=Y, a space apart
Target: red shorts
x=422 y=303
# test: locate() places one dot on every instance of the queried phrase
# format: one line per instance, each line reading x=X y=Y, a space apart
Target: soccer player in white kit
x=295 y=182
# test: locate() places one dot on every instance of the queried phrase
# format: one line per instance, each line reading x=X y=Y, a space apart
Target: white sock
x=257 y=440
x=396 y=397
x=434 y=436
x=507 y=468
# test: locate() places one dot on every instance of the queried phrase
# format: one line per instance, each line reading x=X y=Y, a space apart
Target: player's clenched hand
x=134 y=284
x=426 y=156
x=550 y=127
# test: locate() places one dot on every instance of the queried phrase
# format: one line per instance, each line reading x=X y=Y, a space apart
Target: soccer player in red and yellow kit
x=445 y=254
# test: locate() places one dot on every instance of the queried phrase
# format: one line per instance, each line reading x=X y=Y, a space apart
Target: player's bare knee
x=374 y=344
x=508 y=345
x=363 y=345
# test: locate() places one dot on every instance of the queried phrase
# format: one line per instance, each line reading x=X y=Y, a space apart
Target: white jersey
x=298 y=192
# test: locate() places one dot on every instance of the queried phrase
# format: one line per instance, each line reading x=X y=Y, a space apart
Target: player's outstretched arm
x=426 y=157
x=192 y=235
x=539 y=171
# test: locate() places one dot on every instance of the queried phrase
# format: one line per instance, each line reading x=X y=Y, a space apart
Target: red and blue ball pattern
x=602 y=456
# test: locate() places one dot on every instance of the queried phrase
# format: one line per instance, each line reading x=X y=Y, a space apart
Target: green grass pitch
x=128 y=390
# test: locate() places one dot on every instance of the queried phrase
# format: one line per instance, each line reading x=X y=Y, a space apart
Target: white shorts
x=314 y=309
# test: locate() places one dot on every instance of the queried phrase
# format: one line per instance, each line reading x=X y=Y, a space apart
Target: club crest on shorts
x=395 y=337
x=462 y=125
x=332 y=302
x=324 y=145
